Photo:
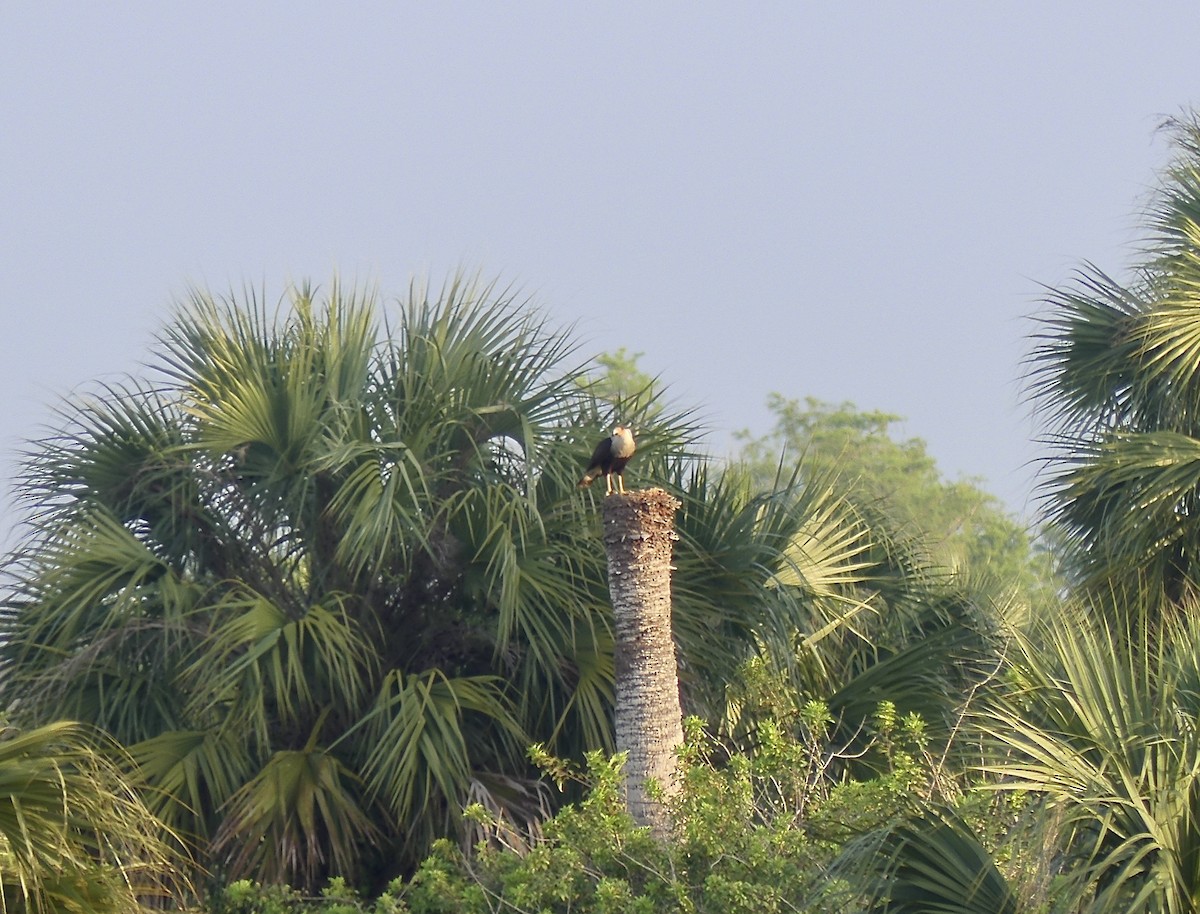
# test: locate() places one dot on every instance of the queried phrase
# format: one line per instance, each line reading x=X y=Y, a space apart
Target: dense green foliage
x=73 y=835
x=325 y=582
x=326 y=574
x=753 y=835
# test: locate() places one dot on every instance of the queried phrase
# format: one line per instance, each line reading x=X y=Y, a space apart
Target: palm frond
x=1114 y=365
x=300 y=816
x=277 y=669
x=189 y=775
x=428 y=734
x=1083 y=367
x=933 y=863
x=1112 y=745
x=72 y=832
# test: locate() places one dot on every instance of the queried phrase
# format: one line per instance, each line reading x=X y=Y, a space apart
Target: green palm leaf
x=72 y=834
x=275 y=669
x=1114 y=367
x=297 y=818
x=421 y=755
x=941 y=866
x=190 y=774
x=1111 y=743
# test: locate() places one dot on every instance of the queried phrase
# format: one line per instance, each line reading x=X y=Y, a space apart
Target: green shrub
x=247 y=897
x=755 y=833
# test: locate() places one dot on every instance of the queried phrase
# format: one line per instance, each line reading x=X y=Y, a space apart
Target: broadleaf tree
x=956 y=523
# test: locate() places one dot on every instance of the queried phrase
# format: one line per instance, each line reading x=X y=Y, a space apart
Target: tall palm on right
x=1116 y=368
x=1092 y=720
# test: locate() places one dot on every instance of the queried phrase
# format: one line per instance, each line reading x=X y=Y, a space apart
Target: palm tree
x=1090 y=725
x=852 y=612
x=639 y=530
x=322 y=577
x=73 y=835
x=1115 y=369
x=326 y=572
x=1091 y=735
x=1099 y=724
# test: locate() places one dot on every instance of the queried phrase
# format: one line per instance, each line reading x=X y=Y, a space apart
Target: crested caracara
x=609 y=458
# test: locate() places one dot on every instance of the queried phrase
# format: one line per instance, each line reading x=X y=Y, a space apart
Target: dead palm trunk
x=638 y=531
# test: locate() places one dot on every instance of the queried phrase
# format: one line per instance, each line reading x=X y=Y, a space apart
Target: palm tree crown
x=322 y=575
x=1115 y=366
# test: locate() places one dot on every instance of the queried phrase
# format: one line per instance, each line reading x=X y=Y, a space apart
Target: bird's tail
x=588 y=478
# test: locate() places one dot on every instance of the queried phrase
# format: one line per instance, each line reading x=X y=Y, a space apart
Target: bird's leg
x=621 y=483
x=608 y=490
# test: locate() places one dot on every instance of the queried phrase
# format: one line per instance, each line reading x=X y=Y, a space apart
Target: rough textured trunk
x=639 y=529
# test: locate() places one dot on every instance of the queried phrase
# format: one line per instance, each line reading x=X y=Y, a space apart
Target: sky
x=853 y=201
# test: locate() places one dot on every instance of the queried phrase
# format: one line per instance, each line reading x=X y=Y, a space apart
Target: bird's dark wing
x=600 y=456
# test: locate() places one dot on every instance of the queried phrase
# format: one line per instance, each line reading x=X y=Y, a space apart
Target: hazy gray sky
x=851 y=200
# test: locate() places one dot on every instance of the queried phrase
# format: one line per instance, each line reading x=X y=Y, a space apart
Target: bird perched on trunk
x=609 y=459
